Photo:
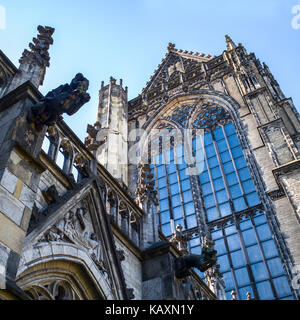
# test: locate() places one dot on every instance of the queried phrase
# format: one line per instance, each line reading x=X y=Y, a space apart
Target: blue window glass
x=254 y=254
x=275 y=267
x=204 y=177
x=173 y=178
x=238 y=259
x=249 y=237
x=163 y=193
x=165 y=216
x=176 y=201
x=264 y=290
x=230 y=230
x=210 y=151
x=216 y=234
x=218 y=184
x=252 y=199
x=233 y=141
x=225 y=156
x=236 y=171
x=269 y=249
x=239 y=204
x=224 y=263
x=244 y=174
x=191 y=221
x=216 y=173
x=222 y=145
x=189 y=208
x=213 y=162
x=248 y=186
x=212 y=214
x=164 y=205
x=232 y=179
x=177 y=212
x=194 y=242
x=218 y=134
x=225 y=209
x=209 y=201
x=171 y=168
x=246 y=224
x=222 y=196
x=282 y=286
x=233 y=242
x=187 y=196
x=242 y=277
x=220 y=246
x=228 y=279
x=236 y=152
x=258 y=220
x=161 y=171
x=206 y=189
x=229 y=129
x=264 y=232
x=185 y=185
x=228 y=167
x=183 y=174
x=235 y=191
x=162 y=182
x=166 y=229
x=259 y=271
x=207 y=139
x=174 y=189
x=240 y=163
x=196 y=250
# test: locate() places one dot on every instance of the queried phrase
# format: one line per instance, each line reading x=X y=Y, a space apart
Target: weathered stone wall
x=132 y=269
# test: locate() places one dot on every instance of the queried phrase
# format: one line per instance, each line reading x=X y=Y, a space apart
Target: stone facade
x=87 y=228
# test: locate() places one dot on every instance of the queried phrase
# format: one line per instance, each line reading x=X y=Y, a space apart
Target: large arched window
x=230 y=206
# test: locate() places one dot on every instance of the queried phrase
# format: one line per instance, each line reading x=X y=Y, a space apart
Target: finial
x=171 y=46
x=248 y=295
x=230 y=44
x=233 y=294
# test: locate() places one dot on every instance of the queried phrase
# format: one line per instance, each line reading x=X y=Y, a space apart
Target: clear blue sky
x=128 y=38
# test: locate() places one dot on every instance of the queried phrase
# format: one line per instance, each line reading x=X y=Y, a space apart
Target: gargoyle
x=67 y=98
x=202 y=262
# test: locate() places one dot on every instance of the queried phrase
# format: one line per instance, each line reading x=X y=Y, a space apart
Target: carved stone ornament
x=67 y=98
x=39 y=48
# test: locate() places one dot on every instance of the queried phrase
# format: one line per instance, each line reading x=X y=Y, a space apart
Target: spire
x=33 y=62
x=230 y=44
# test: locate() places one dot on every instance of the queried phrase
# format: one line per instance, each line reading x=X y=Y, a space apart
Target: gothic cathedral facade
x=189 y=191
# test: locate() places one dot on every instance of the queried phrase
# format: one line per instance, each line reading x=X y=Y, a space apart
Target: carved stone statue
x=95 y=251
x=180 y=240
x=202 y=262
x=67 y=98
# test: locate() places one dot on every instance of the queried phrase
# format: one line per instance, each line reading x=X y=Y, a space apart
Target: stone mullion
x=210 y=178
x=180 y=190
x=234 y=165
x=156 y=184
x=264 y=260
x=222 y=172
x=248 y=264
x=169 y=194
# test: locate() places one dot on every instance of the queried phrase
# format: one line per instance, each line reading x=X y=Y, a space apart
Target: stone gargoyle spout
x=202 y=262
x=67 y=98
